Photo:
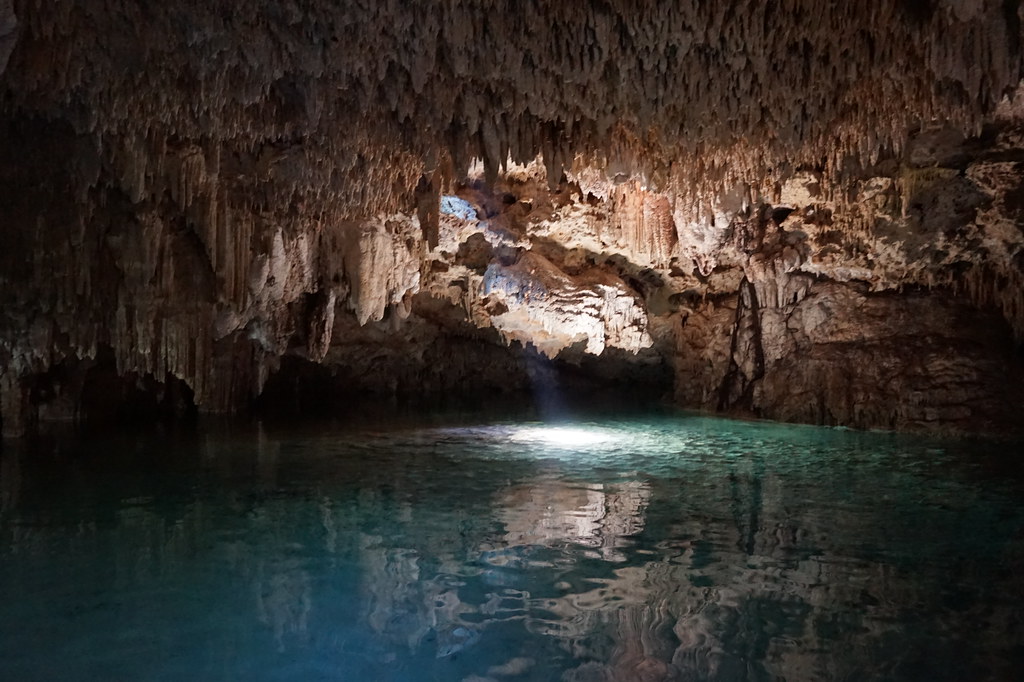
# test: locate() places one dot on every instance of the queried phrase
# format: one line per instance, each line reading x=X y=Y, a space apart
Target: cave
x=639 y=336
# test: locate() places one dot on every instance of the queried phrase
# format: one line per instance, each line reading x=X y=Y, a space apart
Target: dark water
x=656 y=548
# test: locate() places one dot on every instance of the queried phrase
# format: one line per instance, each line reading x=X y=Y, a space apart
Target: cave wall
x=772 y=310
x=823 y=224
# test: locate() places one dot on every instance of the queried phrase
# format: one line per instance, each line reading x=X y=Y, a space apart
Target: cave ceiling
x=377 y=93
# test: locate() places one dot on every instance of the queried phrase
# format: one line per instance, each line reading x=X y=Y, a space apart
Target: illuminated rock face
x=807 y=220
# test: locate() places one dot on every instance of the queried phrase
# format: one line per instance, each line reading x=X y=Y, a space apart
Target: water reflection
x=684 y=550
x=550 y=511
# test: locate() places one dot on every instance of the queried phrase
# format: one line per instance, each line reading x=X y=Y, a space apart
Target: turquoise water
x=668 y=547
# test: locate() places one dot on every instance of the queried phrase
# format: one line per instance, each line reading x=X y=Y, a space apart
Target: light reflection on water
x=663 y=548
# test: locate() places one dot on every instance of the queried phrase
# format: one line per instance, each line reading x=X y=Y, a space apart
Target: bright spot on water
x=562 y=436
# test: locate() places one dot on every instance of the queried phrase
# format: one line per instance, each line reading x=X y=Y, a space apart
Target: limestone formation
x=798 y=210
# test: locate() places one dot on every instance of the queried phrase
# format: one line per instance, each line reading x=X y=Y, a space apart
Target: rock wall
x=793 y=310
x=845 y=356
x=800 y=222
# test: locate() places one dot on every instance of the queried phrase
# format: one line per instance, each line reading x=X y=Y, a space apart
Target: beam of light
x=562 y=436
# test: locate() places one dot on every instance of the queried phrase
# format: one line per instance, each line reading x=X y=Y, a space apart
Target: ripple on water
x=667 y=547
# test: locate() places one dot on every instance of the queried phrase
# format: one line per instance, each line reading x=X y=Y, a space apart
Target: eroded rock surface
x=814 y=221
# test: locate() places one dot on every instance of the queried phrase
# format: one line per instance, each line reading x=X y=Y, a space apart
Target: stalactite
x=228 y=166
x=382 y=262
x=680 y=80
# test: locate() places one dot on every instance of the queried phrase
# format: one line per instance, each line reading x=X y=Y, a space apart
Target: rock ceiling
x=202 y=188
x=378 y=92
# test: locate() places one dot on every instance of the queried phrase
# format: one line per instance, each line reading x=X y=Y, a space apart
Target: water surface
x=659 y=547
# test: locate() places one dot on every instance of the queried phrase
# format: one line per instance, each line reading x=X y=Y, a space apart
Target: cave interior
x=794 y=210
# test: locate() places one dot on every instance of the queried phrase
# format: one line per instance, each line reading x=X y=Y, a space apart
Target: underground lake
x=657 y=546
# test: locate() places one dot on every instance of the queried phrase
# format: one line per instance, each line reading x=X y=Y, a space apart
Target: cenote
x=661 y=546
x=271 y=213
